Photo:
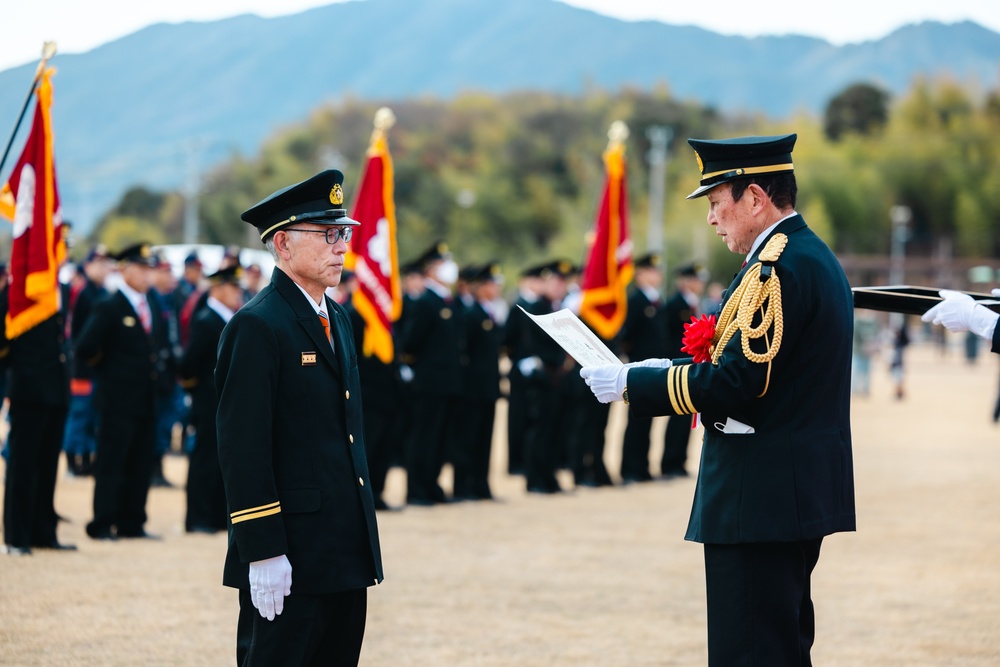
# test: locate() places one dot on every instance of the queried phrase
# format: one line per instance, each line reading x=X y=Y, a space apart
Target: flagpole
x=48 y=50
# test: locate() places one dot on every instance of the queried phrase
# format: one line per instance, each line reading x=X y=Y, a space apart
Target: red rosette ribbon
x=697 y=339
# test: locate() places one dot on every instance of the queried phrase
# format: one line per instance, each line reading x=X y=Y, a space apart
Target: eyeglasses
x=332 y=234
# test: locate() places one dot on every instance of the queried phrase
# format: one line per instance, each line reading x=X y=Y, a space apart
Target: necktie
x=144 y=316
x=326 y=326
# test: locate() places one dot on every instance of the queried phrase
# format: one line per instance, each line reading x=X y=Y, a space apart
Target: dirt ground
x=592 y=577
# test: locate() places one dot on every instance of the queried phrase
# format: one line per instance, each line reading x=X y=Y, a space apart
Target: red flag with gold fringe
x=609 y=265
x=30 y=199
x=373 y=254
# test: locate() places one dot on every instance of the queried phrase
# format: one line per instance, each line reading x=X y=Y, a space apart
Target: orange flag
x=609 y=266
x=373 y=255
x=31 y=200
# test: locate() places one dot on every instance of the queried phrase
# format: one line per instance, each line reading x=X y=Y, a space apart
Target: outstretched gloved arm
x=959 y=312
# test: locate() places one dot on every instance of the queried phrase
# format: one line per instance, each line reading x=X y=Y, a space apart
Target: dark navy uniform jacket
x=292 y=444
x=792 y=478
x=126 y=359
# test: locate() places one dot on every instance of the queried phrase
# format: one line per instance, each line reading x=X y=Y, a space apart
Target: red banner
x=609 y=266
x=373 y=254
x=31 y=200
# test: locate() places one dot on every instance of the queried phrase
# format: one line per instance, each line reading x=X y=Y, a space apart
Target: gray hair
x=269 y=244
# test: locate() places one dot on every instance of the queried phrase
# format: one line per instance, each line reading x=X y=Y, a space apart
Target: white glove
x=406 y=373
x=270 y=582
x=607 y=382
x=528 y=365
x=649 y=363
x=959 y=312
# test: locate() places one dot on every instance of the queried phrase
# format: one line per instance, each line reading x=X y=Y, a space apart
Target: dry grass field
x=592 y=577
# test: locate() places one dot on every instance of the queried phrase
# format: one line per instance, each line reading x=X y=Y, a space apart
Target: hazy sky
x=80 y=26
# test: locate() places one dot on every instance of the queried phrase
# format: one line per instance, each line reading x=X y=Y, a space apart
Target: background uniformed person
x=80 y=437
x=38 y=389
x=206 y=495
x=678 y=311
x=776 y=471
x=514 y=345
x=303 y=540
x=121 y=341
x=431 y=340
x=476 y=406
x=644 y=336
x=544 y=367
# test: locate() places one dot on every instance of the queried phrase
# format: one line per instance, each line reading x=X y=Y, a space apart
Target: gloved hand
x=649 y=363
x=528 y=365
x=959 y=312
x=270 y=582
x=607 y=382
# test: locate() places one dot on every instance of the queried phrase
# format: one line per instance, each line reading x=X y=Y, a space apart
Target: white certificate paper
x=573 y=336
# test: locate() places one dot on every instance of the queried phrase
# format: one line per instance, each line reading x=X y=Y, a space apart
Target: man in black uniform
x=480 y=384
x=206 y=495
x=39 y=400
x=644 y=336
x=544 y=368
x=80 y=438
x=515 y=337
x=121 y=341
x=292 y=444
x=382 y=395
x=431 y=341
x=678 y=311
x=776 y=472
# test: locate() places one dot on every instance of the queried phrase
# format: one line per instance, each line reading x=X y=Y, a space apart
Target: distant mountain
x=150 y=106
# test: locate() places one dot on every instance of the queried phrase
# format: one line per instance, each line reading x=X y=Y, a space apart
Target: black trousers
x=206 y=492
x=36 y=433
x=635 y=449
x=321 y=630
x=472 y=440
x=427 y=447
x=760 y=610
x=125 y=450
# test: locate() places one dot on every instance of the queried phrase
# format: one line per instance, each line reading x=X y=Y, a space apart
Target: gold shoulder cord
x=737 y=315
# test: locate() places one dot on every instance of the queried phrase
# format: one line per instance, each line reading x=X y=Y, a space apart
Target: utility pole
x=659 y=137
x=192 y=186
x=900 y=217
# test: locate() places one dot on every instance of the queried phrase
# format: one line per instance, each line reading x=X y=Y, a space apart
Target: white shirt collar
x=318 y=307
x=222 y=309
x=763 y=235
x=135 y=298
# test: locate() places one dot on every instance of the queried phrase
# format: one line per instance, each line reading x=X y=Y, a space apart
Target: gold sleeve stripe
x=685 y=392
x=677 y=390
x=256 y=512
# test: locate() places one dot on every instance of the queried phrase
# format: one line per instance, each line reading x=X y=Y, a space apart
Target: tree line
x=517 y=178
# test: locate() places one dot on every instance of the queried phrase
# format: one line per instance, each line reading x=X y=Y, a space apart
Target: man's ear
x=760 y=197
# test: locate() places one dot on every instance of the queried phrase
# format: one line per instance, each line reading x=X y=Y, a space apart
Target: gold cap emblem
x=336 y=195
x=701 y=165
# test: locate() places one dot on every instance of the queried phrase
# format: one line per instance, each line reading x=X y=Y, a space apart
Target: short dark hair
x=781 y=188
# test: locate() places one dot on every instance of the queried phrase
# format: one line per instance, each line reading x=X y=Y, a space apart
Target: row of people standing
x=435 y=402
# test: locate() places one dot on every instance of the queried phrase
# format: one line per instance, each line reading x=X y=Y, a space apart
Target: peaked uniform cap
x=318 y=200
x=650 y=260
x=137 y=253
x=228 y=275
x=726 y=159
x=436 y=252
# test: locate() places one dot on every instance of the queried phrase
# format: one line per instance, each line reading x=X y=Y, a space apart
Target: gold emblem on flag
x=336 y=195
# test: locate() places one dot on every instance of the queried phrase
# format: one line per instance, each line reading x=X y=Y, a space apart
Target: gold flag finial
x=618 y=132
